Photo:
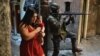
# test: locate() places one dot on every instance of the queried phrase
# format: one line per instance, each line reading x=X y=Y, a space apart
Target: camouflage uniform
x=53 y=22
x=54 y=26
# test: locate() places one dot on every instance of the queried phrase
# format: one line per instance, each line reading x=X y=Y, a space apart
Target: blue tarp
x=31 y=3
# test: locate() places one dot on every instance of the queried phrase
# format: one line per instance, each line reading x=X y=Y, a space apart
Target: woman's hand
x=41 y=34
x=40 y=37
x=38 y=29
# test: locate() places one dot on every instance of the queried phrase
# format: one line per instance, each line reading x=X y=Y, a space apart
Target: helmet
x=54 y=6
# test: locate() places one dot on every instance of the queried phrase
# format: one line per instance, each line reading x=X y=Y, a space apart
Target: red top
x=31 y=47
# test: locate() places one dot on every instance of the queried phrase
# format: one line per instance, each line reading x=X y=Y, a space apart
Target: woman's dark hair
x=28 y=16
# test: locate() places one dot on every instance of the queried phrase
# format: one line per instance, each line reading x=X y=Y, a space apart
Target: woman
x=31 y=30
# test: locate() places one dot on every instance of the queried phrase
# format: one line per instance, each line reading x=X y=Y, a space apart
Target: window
x=67 y=6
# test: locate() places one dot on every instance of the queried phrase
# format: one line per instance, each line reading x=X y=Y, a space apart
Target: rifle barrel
x=73 y=13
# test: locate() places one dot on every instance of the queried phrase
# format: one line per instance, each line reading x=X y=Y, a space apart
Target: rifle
x=73 y=13
x=70 y=14
x=71 y=18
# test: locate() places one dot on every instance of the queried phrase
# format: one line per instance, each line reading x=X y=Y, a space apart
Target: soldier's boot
x=74 y=47
x=73 y=40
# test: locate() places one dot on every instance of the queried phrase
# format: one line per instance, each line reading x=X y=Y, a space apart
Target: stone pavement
x=90 y=46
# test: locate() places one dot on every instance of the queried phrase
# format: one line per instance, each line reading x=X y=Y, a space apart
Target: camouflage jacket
x=56 y=26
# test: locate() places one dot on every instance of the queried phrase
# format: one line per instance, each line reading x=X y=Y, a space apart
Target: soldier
x=70 y=19
x=54 y=25
x=71 y=34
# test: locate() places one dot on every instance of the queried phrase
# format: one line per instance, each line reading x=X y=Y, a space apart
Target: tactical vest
x=56 y=27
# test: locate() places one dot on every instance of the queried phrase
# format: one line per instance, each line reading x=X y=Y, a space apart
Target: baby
x=41 y=33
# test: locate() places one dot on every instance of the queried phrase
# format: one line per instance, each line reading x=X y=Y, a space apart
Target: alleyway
x=90 y=46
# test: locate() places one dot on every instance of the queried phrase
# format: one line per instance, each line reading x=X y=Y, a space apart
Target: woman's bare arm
x=26 y=35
